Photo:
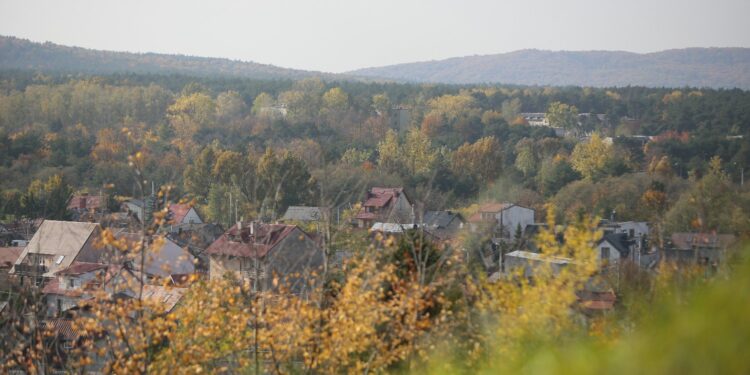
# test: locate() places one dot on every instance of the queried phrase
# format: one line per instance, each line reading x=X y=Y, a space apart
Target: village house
x=196 y=239
x=385 y=205
x=397 y=230
x=613 y=247
x=182 y=216
x=257 y=253
x=86 y=207
x=72 y=284
x=700 y=248
x=625 y=240
x=504 y=220
x=535 y=119
x=55 y=246
x=135 y=207
x=527 y=263
x=444 y=224
x=8 y=257
x=162 y=260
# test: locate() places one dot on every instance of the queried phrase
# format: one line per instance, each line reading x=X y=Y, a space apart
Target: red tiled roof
x=264 y=238
x=492 y=208
x=9 y=256
x=592 y=300
x=380 y=197
x=178 y=211
x=87 y=202
x=78 y=268
x=365 y=216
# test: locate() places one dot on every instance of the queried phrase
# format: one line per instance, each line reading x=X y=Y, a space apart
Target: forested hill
x=696 y=67
x=18 y=53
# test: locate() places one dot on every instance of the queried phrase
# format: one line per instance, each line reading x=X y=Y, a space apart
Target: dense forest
x=317 y=142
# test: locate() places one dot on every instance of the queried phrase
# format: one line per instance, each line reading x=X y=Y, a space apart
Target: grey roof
x=441 y=219
x=169 y=259
x=619 y=242
x=303 y=213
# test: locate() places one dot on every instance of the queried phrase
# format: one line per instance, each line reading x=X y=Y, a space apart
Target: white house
x=506 y=219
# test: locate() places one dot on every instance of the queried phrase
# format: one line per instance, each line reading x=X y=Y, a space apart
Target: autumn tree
x=589 y=158
x=711 y=204
x=482 y=160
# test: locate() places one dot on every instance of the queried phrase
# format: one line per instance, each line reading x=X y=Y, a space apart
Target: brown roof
x=365 y=215
x=686 y=241
x=491 y=207
x=87 y=202
x=177 y=212
x=261 y=241
x=381 y=197
x=79 y=268
x=9 y=256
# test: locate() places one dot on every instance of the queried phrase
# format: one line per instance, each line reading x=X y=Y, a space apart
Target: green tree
x=199 y=175
x=526 y=158
x=563 y=115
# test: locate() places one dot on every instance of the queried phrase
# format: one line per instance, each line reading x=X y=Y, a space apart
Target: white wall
x=192 y=217
x=510 y=218
x=640 y=228
x=614 y=255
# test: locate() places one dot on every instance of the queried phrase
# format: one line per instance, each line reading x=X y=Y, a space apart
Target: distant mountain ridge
x=16 y=53
x=696 y=67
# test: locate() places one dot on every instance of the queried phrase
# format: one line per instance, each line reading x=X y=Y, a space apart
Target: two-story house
x=55 y=246
x=257 y=253
x=385 y=205
x=505 y=220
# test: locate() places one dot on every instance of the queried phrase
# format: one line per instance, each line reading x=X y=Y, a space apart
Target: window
x=59 y=259
x=605 y=253
x=631 y=233
x=59 y=306
x=71 y=283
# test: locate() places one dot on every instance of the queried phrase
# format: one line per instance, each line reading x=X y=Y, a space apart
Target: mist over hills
x=697 y=67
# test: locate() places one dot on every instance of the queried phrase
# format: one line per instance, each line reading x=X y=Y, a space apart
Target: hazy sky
x=336 y=36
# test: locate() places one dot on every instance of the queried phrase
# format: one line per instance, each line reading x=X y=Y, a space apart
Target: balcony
x=31 y=269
